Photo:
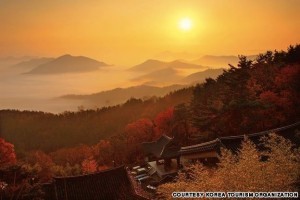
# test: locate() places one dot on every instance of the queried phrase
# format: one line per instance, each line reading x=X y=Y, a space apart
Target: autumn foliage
x=249 y=170
x=253 y=96
x=164 y=123
x=7 y=153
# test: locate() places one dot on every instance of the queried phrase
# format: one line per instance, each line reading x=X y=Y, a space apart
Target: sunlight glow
x=185 y=24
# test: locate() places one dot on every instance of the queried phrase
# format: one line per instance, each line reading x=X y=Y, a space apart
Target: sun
x=185 y=24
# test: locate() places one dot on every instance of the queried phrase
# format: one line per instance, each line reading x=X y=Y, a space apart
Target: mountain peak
x=152 y=65
x=68 y=64
x=152 y=60
x=66 y=56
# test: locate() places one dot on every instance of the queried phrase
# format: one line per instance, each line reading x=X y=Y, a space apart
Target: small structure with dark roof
x=162 y=148
x=109 y=184
x=163 y=156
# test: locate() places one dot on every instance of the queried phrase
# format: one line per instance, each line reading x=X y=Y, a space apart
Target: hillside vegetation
x=30 y=130
x=255 y=95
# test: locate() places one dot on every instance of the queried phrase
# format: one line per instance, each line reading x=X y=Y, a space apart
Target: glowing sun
x=185 y=24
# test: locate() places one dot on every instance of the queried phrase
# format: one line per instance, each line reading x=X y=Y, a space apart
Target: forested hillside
x=253 y=96
x=29 y=130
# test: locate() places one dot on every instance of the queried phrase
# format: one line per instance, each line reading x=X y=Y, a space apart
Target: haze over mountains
x=121 y=95
x=67 y=64
x=159 y=77
x=32 y=63
x=12 y=60
x=154 y=65
x=169 y=56
x=219 y=61
x=83 y=81
x=213 y=61
x=200 y=77
x=155 y=72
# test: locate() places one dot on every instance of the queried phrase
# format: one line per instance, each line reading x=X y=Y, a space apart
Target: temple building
x=165 y=157
x=111 y=184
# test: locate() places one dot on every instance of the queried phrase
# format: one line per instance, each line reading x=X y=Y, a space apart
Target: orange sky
x=127 y=32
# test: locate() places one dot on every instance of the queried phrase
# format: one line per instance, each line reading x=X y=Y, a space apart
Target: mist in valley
x=42 y=92
x=68 y=83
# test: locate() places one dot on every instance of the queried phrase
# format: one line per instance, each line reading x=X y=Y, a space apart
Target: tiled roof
x=276 y=130
x=164 y=147
x=206 y=146
x=109 y=184
x=234 y=142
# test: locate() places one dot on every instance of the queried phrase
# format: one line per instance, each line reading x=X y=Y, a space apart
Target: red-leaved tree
x=164 y=123
x=7 y=153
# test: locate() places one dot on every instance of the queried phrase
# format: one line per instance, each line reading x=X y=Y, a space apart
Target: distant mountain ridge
x=68 y=64
x=32 y=63
x=155 y=72
x=200 y=77
x=160 y=76
x=219 y=61
x=121 y=95
x=12 y=60
x=154 y=65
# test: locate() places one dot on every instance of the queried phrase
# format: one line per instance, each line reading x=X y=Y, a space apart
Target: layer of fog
x=41 y=92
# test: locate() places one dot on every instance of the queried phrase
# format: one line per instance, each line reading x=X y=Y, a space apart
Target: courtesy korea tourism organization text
x=224 y=195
